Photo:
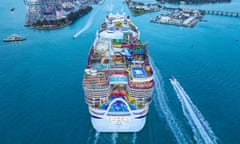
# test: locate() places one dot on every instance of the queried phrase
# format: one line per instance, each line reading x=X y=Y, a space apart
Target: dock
x=180 y=17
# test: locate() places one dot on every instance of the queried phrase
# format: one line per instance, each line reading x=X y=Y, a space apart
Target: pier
x=209 y=12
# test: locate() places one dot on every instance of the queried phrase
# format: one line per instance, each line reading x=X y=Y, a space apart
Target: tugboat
x=14 y=37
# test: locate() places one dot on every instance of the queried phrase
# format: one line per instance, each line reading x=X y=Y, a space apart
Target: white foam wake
x=86 y=27
x=114 y=138
x=93 y=137
x=110 y=7
x=203 y=134
x=161 y=106
x=96 y=137
x=134 y=138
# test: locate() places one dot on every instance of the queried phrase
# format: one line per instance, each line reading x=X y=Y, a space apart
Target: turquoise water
x=41 y=95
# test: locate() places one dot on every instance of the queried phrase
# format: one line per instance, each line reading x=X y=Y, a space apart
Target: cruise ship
x=118 y=80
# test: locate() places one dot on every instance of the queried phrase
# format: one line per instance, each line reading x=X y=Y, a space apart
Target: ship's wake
x=110 y=8
x=86 y=26
x=114 y=138
x=161 y=106
x=134 y=138
x=203 y=134
x=96 y=137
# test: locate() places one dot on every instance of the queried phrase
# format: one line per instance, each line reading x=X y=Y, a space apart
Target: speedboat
x=172 y=78
x=14 y=37
x=12 y=9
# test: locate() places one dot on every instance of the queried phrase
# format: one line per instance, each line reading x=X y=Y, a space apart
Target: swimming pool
x=118 y=79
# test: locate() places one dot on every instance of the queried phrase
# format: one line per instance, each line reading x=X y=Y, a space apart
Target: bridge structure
x=210 y=12
x=222 y=13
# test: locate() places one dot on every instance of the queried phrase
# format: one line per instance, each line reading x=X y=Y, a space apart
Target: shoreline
x=51 y=27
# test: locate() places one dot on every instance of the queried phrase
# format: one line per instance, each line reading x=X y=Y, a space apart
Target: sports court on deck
x=138 y=72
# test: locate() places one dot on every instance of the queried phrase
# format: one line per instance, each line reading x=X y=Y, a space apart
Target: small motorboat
x=14 y=37
x=172 y=78
x=12 y=9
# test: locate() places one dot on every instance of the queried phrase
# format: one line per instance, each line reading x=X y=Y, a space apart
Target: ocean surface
x=41 y=94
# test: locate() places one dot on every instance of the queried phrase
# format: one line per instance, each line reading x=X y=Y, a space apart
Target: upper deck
x=117 y=48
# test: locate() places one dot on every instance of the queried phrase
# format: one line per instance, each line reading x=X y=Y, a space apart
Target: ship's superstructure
x=118 y=80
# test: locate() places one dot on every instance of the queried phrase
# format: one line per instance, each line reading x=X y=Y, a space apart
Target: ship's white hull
x=118 y=124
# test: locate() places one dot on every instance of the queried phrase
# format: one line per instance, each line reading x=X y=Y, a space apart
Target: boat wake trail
x=134 y=138
x=203 y=134
x=96 y=137
x=161 y=106
x=86 y=27
x=110 y=7
x=114 y=138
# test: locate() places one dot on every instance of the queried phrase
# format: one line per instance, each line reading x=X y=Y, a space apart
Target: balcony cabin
x=94 y=78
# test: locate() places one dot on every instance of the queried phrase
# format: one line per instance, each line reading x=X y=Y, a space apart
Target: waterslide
x=202 y=132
